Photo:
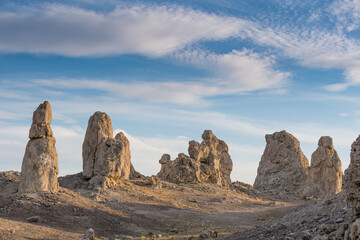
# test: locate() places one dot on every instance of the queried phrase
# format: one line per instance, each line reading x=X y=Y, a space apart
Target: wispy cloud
x=348 y=13
x=238 y=71
x=149 y=30
x=167 y=31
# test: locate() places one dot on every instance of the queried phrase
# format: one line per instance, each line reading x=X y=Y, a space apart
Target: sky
x=165 y=71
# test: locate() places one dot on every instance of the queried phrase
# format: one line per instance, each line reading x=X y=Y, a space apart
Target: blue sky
x=167 y=70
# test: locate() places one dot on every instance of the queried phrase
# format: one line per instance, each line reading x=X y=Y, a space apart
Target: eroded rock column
x=40 y=164
x=283 y=167
x=325 y=175
x=105 y=159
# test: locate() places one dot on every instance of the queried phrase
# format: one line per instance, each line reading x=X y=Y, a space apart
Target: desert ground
x=133 y=210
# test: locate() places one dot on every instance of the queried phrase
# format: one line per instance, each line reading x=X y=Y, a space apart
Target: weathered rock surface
x=325 y=174
x=283 y=167
x=105 y=159
x=352 y=181
x=209 y=161
x=40 y=164
x=99 y=129
x=112 y=158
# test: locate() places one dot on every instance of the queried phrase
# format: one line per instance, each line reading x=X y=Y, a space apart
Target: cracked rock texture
x=40 y=163
x=325 y=173
x=283 y=167
x=99 y=129
x=105 y=159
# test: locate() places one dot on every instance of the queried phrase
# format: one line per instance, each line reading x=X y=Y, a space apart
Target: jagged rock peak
x=283 y=167
x=208 y=161
x=40 y=163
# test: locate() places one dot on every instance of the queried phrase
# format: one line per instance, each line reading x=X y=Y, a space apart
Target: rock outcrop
x=283 y=167
x=209 y=161
x=99 y=129
x=352 y=181
x=325 y=174
x=105 y=159
x=40 y=164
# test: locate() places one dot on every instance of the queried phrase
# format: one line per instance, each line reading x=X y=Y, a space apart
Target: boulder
x=89 y=235
x=155 y=182
x=352 y=181
x=105 y=159
x=208 y=161
x=40 y=163
x=99 y=129
x=325 y=174
x=283 y=167
x=182 y=170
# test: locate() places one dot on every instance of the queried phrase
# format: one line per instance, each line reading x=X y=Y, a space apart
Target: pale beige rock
x=283 y=167
x=43 y=114
x=155 y=182
x=40 y=130
x=209 y=161
x=40 y=164
x=106 y=159
x=352 y=181
x=112 y=158
x=99 y=129
x=325 y=173
x=101 y=182
x=183 y=169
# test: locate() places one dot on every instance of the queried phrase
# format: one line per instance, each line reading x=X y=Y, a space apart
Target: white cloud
x=10 y=115
x=347 y=12
x=155 y=31
x=148 y=30
x=238 y=71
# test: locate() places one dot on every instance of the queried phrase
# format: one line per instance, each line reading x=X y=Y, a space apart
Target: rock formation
x=99 y=129
x=325 y=174
x=209 y=161
x=352 y=181
x=40 y=164
x=283 y=167
x=105 y=159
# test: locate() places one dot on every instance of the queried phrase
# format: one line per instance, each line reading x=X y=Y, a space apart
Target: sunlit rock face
x=40 y=163
x=325 y=173
x=208 y=161
x=283 y=167
x=105 y=159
